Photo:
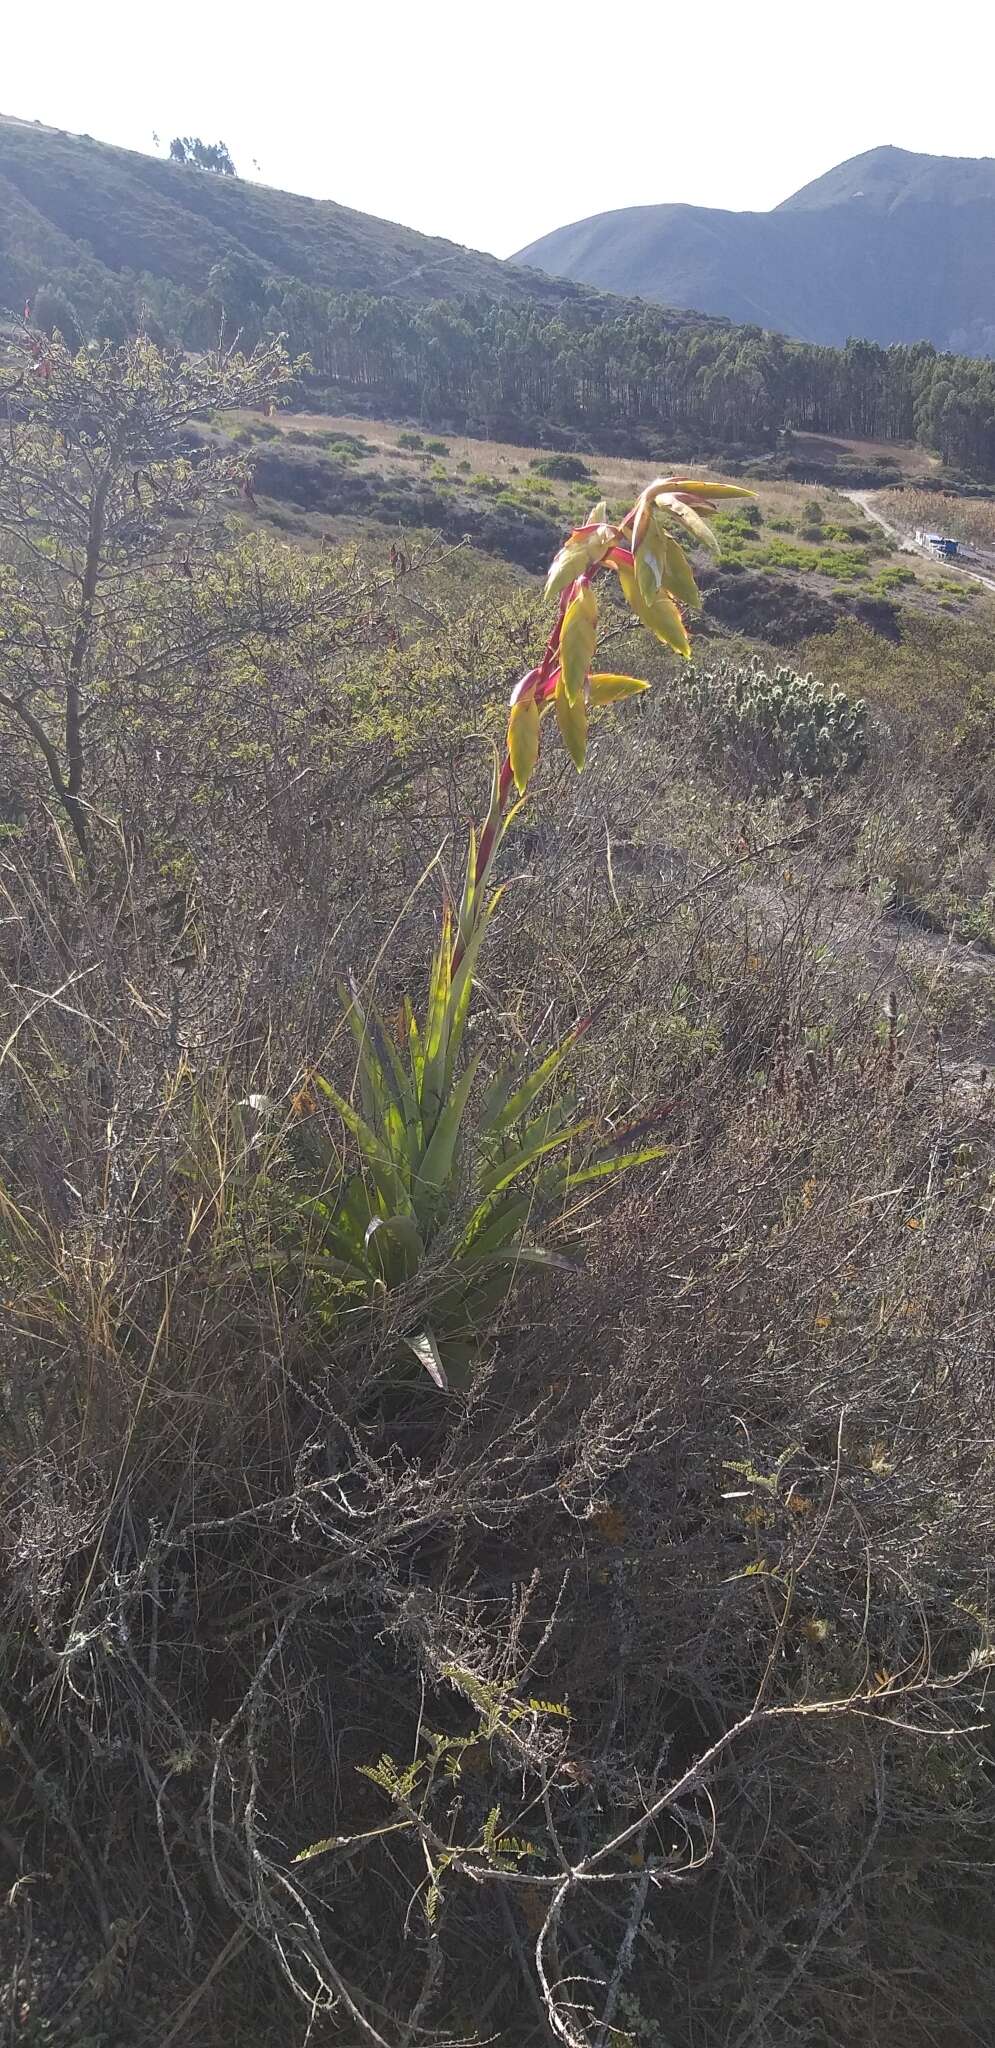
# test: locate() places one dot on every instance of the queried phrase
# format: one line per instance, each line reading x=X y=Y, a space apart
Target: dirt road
x=862 y=500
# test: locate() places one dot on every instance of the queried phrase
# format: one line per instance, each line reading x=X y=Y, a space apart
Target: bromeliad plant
x=457 y=1179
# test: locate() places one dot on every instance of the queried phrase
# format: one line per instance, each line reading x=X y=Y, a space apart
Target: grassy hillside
x=843 y=257
x=67 y=201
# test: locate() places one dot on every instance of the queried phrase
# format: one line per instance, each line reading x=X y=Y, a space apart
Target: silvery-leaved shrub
x=772 y=727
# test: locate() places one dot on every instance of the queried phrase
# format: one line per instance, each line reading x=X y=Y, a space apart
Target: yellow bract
x=580 y=552
x=577 y=638
x=641 y=518
x=677 y=576
x=662 y=617
x=649 y=565
x=698 y=487
x=572 y=721
x=523 y=739
x=693 y=520
x=613 y=689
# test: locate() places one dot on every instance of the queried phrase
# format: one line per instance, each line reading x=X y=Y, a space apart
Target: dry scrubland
x=798 y=529
x=666 y=1646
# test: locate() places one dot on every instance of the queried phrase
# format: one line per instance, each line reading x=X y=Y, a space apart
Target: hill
x=841 y=257
x=105 y=216
x=104 y=242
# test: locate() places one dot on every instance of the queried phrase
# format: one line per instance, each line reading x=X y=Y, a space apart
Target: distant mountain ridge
x=890 y=246
x=69 y=204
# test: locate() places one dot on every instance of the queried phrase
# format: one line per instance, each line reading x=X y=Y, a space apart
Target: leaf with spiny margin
x=496 y=1223
x=518 y=1105
x=464 y=921
x=437 y=1164
x=548 y=1140
x=401 y=1231
x=619 y=1163
x=523 y=1255
x=389 y=1098
x=433 y=1080
x=341 y=1268
x=381 y=1167
x=415 y=1050
x=462 y=984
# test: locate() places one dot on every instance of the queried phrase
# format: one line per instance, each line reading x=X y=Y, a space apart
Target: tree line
x=596 y=367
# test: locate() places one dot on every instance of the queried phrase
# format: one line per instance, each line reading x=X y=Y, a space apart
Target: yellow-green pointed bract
x=699 y=487
x=609 y=689
x=571 y=717
x=649 y=565
x=577 y=641
x=677 y=576
x=670 y=502
x=579 y=553
x=523 y=739
x=662 y=617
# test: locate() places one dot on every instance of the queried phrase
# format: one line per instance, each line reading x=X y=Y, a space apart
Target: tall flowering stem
x=658 y=584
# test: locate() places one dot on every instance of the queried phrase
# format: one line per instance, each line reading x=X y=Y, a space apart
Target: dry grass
x=725 y=1493
x=908 y=459
x=616 y=478
x=967 y=519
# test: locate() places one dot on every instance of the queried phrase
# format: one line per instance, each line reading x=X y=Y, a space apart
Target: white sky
x=497 y=121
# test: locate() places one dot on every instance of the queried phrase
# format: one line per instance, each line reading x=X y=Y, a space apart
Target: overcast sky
x=492 y=123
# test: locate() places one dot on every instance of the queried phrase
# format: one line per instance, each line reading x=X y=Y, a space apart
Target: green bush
x=436 y=448
x=772 y=728
x=849 y=565
x=744 y=520
x=409 y=440
x=564 y=469
x=345 y=447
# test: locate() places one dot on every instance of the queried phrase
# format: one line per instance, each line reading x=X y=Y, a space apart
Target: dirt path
x=862 y=500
